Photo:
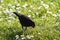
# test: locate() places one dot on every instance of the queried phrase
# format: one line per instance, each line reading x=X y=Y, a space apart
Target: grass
x=45 y=14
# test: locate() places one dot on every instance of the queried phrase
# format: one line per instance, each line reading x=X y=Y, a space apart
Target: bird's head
x=13 y=12
x=16 y=13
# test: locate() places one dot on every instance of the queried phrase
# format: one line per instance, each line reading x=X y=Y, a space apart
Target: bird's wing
x=26 y=18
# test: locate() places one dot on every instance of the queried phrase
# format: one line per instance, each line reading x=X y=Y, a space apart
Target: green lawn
x=45 y=14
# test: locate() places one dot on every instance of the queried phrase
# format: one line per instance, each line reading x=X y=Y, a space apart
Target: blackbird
x=24 y=20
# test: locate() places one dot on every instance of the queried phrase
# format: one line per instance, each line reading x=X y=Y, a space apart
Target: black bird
x=24 y=20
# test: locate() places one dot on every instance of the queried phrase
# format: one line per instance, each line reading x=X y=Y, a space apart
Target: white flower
x=31 y=6
x=51 y=3
x=44 y=17
x=58 y=11
x=25 y=5
x=58 y=15
x=31 y=36
x=56 y=24
x=13 y=7
x=55 y=15
x=29 y=15
x=0 y=19
x=18 y=4
x=17 y=36
x=42 y=2
x=10 y=11
x=37 y=13
x=11 y=17
x=49 y=12
x=39 y=7
x=0 y=6
x=17 y=8
x=9 y=21
x=0 y=12
x=6 y=10
x=14 y=30
x=39 y=33
x=1 y=0
x=29 y=10
x=22 y=35
x=10 y=4
x=28 y=37
x=54 y=39
x=46 y=6
x=23 y=38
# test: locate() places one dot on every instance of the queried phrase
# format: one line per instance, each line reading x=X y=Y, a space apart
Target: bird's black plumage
x=24 y=20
